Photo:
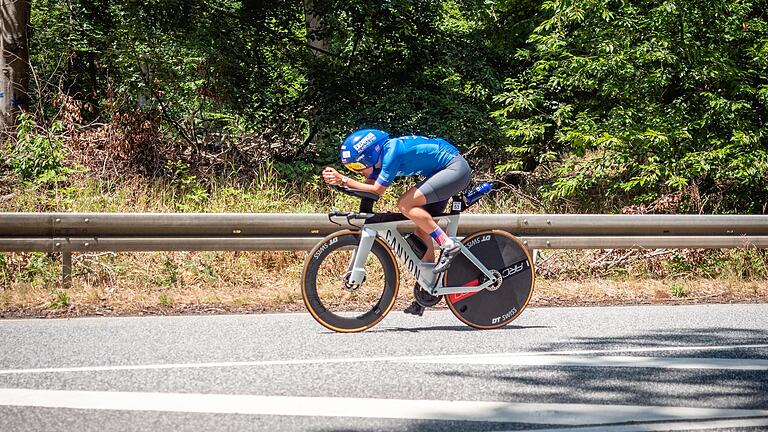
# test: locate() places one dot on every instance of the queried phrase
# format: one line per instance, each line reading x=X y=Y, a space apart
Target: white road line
x=676 y=426
x=538 y=413
x=407 y=359
x=606 y=361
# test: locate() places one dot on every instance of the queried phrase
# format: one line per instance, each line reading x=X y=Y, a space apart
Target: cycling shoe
x=415 y=309
x=424 y=298
x=446 y=256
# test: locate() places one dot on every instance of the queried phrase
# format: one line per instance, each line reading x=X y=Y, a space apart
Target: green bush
x=61 y=300
x=39 y=267
x=628 y=101
x=191 y=188
x=640 y=99
x=38 y=155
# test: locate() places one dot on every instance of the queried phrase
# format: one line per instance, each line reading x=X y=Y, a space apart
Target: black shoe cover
x=415 y=309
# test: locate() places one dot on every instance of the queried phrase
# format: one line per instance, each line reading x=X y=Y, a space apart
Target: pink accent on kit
x=440 y=236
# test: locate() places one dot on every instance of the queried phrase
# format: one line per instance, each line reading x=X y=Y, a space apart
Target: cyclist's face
x=360 y=168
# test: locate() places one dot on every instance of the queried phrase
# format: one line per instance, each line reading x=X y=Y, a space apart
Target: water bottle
x=478 y=191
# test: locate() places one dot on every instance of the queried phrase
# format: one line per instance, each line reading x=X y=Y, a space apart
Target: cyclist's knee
x=410 y=199
x=404 y=204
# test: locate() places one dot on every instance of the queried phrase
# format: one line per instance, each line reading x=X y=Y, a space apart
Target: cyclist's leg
x=411 y=204
x=436 y=191
x=415 y=200
x=439 y=187
x=433 y=209
x=429 y=255
x=417 y=307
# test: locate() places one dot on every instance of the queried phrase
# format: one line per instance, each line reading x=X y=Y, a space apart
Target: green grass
x=61 y=300
x=678 y=290
x=165 y=300
x=87 y=194
x=268 y=192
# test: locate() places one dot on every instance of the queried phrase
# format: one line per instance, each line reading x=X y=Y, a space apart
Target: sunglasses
x=355 y=166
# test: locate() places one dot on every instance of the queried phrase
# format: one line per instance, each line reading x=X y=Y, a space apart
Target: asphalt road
x=567 y=369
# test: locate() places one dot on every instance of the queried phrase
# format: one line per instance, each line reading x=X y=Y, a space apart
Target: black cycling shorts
x=444 y=184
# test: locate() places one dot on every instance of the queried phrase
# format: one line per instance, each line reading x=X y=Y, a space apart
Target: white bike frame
x=421 y=271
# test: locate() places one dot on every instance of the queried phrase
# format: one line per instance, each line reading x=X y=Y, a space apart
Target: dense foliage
x=213 y=66
x=645 y=98
x=627 y=101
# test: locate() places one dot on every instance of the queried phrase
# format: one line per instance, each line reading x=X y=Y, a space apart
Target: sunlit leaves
x=644 y=99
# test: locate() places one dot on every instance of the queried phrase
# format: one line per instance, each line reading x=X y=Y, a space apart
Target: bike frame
x=421 y=271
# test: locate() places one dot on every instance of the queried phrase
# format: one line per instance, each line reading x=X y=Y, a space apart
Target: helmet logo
x=345 y=154
x=365 y=142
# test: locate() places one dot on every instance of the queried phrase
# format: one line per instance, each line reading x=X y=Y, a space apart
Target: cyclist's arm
x=374 y=187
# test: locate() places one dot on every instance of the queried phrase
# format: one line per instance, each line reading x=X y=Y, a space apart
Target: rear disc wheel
x=497 y=306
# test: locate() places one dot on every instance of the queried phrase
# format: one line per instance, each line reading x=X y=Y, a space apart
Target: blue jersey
x=411 y=156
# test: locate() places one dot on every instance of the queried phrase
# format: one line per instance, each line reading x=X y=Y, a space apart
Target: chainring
x=424 y=298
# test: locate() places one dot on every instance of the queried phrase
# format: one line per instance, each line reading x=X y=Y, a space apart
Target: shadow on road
x=450 y=328
x=721 y=388
x=745 y=389
x=674 y=337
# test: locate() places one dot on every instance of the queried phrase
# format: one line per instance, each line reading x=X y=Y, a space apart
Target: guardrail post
x=66 y=270
x=531 y=251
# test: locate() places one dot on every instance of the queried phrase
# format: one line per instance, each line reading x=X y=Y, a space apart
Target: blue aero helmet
x=361 y=149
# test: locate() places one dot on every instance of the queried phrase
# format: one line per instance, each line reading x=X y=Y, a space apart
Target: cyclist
x=381 y=159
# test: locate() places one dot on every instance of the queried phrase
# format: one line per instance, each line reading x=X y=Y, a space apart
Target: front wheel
x=329 y=297
x=493 y=307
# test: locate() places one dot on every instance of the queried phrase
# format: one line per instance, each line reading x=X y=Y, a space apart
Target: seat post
x=366 y=205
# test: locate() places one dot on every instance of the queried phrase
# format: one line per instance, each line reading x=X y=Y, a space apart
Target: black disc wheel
x=329 y=296
x=497 y=305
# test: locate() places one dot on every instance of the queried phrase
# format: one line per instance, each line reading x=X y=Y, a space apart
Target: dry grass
x=134 y=283
x=217 y=282
x=223 y=282
x=604 y=292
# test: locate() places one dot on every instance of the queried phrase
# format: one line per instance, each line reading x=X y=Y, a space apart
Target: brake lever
x=349 y=221
x=335 y=213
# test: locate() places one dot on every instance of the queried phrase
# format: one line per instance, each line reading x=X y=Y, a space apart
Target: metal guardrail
x=66 y=233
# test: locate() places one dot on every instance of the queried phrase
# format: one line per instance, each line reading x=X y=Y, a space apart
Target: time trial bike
x=350 y=279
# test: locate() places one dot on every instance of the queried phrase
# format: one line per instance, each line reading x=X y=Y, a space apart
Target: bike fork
x=356 y=267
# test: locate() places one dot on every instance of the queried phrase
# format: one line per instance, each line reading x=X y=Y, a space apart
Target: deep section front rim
x=330 y=301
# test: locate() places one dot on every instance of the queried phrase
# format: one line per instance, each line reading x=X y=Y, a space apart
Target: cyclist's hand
x=331 y=176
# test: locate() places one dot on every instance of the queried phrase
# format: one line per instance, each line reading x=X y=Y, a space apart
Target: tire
x=486 y=309
x=323 y=289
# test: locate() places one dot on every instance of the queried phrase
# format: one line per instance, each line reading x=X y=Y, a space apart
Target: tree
x=633 y=100
x=14 y=59
x=252 y=68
